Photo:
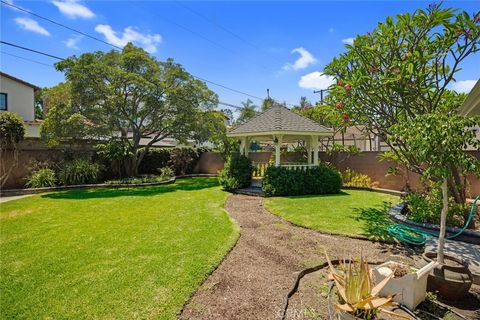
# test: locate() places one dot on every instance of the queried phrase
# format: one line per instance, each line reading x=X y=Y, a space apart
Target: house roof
x=35 y=88
x=278 y=119
x=471 y=106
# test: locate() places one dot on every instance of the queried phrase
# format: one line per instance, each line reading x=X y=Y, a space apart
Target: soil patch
x=252 y=281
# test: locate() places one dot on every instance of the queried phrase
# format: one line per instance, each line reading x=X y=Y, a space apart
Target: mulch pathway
x=254 y=277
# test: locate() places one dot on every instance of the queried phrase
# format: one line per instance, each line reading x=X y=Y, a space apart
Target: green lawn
x=356 y=213
x=111 y=253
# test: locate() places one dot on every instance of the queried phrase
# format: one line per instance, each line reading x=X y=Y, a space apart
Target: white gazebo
x=279 y=125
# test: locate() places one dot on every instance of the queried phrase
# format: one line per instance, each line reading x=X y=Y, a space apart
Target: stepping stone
x=467 y=251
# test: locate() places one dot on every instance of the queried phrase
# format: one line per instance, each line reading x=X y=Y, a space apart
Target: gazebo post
x=242 y=145
x=309 y=150
x=315 y=149
x=278 y=145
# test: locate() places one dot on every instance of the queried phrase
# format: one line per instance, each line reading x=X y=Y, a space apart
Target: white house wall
x=20 y=98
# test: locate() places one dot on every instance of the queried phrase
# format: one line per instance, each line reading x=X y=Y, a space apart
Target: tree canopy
x=400 y=74
x=128 y=95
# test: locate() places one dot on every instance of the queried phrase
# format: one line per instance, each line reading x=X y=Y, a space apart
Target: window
x=3 y=101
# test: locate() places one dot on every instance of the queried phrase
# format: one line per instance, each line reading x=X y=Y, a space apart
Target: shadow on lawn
x=341 y=193
x=376 y=221
x=190 y=184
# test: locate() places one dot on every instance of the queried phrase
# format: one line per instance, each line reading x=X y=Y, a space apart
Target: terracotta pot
x=451 y=281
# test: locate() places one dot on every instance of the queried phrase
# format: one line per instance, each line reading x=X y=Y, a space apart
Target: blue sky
x=249 y=46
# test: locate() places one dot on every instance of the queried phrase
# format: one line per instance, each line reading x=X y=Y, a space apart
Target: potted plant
x=408 y=285
x=358 y=296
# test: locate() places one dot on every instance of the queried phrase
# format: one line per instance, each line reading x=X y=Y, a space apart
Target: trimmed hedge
x=237 y=173
x=280 y=181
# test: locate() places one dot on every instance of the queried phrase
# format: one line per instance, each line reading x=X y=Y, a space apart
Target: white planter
x=408 y=290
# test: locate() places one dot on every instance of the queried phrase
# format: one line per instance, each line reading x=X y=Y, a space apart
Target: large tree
x=402 y=70
x=128 y=95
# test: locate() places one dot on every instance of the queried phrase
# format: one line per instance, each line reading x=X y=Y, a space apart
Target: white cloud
x=73 y=9
x=316 y=80
x=31 y=25
x=72 y=42
x=306 y=59
x=148 y=42
x=348 y=41
x=464 y=86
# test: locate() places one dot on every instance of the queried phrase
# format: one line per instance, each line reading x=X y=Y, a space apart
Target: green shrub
x=183 y=160
x=280 y=181
x=237 y=173
x=42 y=178
x=166 y=173
x=356 y=179
x=154 y=159
x=426 y=207
x=79 y=171
x=12 y=129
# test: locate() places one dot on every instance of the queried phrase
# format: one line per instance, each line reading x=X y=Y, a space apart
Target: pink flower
x=339 y=105
x=340 y=83
x=345 y=118
x=348 y=87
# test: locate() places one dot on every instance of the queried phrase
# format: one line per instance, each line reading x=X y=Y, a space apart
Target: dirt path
x=253 y=279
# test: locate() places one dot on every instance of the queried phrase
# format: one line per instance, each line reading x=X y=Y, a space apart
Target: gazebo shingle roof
x=279 y=118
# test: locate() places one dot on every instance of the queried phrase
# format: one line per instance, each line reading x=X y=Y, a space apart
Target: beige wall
x=20 y=98
x=34 y=151
x=367 y=163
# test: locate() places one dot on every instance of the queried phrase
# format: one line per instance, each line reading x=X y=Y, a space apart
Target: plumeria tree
x=402 y=70
x=439 y=139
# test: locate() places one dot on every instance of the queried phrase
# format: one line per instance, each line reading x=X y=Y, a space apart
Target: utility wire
x=49 y=65
x=31 y=50
x=58 y=23
x=119 y=48
x=26 y=59
x=217 y=25
x=114 y=46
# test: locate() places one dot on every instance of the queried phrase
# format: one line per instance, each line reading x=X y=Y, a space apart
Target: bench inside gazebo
x=279 y=125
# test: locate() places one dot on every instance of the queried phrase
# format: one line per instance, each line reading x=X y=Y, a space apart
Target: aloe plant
x=357 y=292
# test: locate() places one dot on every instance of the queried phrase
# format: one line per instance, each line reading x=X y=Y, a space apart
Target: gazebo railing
x=298 y=166
x=259 y=168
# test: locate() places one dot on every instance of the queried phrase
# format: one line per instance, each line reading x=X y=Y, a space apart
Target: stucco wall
x=34 y=151
x=366 y=162
x=20 y=98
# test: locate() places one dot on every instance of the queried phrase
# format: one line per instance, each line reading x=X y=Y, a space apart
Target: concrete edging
x=18 y=192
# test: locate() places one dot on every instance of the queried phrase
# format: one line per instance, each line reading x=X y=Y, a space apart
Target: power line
x=26 y=59
x=31 y=50
x=119 y=48
x=58 y=23
x=217 y=25
x=49 y=65
x=97 y=39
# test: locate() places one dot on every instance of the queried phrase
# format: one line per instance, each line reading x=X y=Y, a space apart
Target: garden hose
x=414 y=236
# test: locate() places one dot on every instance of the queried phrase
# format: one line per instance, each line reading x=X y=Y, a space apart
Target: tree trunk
x=131 y=168
x=443 y=222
